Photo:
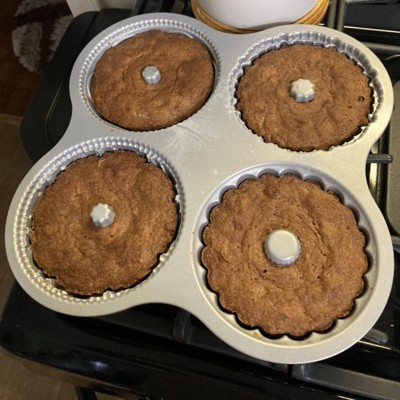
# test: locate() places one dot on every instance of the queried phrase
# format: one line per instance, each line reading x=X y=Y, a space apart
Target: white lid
x=282 y=247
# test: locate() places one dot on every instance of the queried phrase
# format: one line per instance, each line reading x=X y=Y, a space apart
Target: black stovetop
x=163 y=352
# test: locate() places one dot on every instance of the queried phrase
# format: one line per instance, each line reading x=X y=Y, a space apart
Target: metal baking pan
x=207 y=154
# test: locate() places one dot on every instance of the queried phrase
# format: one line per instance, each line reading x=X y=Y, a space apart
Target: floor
x=17 y=83
x=17 y=86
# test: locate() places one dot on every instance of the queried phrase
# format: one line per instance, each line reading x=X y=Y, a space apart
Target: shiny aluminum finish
x=205 y=155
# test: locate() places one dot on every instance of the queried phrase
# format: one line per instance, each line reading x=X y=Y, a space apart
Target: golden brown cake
x=308 y=295
x=340 y=108
x=85 y=259
x=121 y=95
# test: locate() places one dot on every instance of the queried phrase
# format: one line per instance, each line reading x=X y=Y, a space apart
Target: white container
x=256 y=14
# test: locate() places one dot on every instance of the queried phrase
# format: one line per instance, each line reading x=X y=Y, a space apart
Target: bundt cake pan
x=31 y=277
x=84 y=72
x=326 y=38
x=367 y=306
x=205 y=155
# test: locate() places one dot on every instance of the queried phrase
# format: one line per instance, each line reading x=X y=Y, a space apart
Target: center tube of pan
x=282 y=247
x=102 y=215
x=151 y=75
x=302 y=90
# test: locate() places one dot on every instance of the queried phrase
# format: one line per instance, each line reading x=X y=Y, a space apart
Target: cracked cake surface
x=86 y=259
x=340 y=108
x=121 y=95
x=313 y=292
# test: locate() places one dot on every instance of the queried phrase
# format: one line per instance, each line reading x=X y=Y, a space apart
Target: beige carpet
x=17 y=83
x=40 y=25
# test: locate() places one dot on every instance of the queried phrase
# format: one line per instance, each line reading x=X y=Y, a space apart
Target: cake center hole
x=102 y=215
x=302 y=90
x=151 y=75
x=282 y=247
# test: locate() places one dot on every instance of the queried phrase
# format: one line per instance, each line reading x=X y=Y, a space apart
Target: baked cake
x=121 y=95
x=340 y=108
x=85 y=259
x=313 y=292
